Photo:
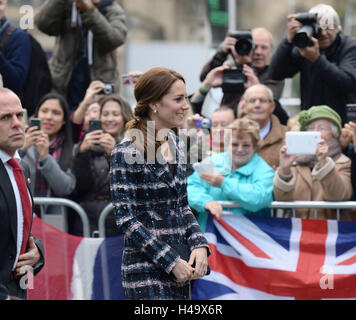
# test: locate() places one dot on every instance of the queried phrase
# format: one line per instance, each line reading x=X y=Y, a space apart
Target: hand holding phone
x=205 y=166
x=35 y=122
x=302 y=142
x=94 y=124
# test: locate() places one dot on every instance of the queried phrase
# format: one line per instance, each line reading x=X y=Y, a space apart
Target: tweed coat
x=152 y=212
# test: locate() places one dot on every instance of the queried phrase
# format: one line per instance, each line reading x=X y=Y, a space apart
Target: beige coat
x=271 y=145
x=332 y=182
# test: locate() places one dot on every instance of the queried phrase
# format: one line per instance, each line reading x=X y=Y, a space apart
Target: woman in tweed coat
x=150 y=198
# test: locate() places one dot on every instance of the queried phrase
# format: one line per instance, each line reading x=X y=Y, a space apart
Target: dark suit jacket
x=8 y=236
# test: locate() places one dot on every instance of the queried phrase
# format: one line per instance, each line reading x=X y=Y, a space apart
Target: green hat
x=318 y=112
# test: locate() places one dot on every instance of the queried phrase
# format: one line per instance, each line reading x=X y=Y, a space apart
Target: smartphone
x=94 y=125
x=35 y=122
x=351 y=112
x=302 y=142
x=205 y=166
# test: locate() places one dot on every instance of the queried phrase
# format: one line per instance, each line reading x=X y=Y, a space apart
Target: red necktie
x=25 y=201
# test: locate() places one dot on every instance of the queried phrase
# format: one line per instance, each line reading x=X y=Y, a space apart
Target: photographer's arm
x=109 y=29
x=284 y=64
x=341 y=76
x=213 y=79
x=50 y=17
x=220 y=56
x=94 y=88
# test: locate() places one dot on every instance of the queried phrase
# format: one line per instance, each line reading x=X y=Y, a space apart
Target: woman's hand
x=182 y=271
x=286 y=161
x=322 y=152
x=214 y=180
x=42 y=145
x=32 y=134
x=215 y=208
x=108 y=142
x=346 y=136
x=199 y=258
x=91 y=139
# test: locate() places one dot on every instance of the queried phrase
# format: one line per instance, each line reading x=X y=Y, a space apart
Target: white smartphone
x=302 y=142
x=206 y=166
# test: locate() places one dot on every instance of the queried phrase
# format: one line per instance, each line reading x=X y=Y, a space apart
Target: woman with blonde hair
x=244 y=177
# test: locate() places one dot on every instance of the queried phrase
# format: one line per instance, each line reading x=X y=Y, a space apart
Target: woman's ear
x=153 y=107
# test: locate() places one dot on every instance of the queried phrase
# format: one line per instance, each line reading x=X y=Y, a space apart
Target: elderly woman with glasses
x=241 y=176
x=323 y=176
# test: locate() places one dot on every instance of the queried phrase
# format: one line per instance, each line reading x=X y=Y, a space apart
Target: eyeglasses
x=243 y=145
x=318 y=128
x=262 y=100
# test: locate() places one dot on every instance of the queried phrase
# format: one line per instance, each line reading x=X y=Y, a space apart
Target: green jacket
x=109 y=32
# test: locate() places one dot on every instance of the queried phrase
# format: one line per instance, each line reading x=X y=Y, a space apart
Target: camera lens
x=243 y=47
x=108 y=89
x=205 y=123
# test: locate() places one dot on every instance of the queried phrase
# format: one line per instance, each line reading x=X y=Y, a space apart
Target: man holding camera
x=248 y=55
x=325 y=57
x=88 y=32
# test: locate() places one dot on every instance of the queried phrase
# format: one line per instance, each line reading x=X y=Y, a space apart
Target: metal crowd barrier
x=337 y=205
x=293 y=205
x=66 y=203
x=102 y=217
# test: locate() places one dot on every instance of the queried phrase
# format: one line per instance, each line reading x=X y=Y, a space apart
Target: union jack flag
x=257 y=257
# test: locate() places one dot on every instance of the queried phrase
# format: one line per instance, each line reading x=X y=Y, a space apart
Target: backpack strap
x=5 y=38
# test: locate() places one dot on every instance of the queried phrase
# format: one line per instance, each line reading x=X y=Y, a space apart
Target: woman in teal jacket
x=241 y=176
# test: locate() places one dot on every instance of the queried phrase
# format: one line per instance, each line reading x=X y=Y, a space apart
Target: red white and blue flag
x=256 y=257
x=77 y=268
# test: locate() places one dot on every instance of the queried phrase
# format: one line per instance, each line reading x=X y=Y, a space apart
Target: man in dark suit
x=19 y=250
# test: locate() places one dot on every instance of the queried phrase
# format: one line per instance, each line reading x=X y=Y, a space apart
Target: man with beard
x=244 y=177
x=324 y=176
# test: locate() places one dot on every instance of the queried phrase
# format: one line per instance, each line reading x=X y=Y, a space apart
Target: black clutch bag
x=184 y=251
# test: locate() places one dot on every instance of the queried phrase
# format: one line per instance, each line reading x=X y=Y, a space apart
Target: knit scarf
x=42 y=188
x=310 y=160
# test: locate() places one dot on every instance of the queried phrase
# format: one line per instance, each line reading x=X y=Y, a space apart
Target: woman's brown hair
x=150 y=88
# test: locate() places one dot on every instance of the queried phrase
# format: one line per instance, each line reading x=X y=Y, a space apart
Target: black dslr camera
x=310 y=28
x=233 y=80
x=244 y=43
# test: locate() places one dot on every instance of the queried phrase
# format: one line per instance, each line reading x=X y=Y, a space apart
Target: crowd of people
x=162 y=164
